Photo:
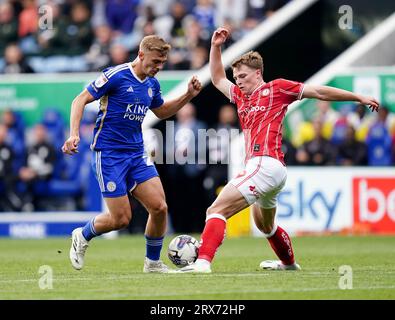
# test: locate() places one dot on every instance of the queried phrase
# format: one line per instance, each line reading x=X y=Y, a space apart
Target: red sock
x=212 y=236
x=281 y=244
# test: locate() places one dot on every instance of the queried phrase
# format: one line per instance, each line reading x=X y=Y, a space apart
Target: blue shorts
x=119 y=172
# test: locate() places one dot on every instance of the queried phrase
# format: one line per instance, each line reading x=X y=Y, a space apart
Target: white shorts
x=261 y=181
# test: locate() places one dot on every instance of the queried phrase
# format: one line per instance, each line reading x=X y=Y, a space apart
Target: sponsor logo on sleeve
x=101 y=81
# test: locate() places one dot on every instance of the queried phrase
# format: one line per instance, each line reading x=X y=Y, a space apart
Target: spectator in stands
x=379 y=141
x=351 y=152
x=318 y=151
x=199 y=57
x=15 y=62
x=15 y=127
x=219 y=151
x=176 y=25
x=118 y=55
x=39 y=167
x=160 y=8
x=9 y=200
x=387 y=118
x=178 y=14
x=79 y=33
x=328 y=116
x=230 y=12
x=28 y=19
x=339 y=129
x=15 y=136
x=98 y=56
x=361 y=121
x=50 y=40
x=8 y=26
x=322 y=111
x=121 y=14
x=204 y=13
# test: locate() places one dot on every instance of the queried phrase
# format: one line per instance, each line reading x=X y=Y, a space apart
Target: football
x=183 y=250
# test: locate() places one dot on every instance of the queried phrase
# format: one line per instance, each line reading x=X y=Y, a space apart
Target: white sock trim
x=215 y=215
x=268 y=235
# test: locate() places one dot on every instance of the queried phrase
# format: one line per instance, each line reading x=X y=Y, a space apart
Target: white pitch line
x=141 y=276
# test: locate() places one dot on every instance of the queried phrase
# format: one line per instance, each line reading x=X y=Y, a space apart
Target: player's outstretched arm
x=217 y=71
x=77 y=109
x=334 y=94
x=170 y=108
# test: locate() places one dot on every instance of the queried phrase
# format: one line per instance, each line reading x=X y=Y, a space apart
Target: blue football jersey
x=124 y=102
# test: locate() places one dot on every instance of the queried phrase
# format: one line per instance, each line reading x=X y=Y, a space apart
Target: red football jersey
x=262 y=113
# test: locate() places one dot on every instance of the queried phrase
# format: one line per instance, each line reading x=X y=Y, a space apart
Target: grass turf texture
x=113 y=270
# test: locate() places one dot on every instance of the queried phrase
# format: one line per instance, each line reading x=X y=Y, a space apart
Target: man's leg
x=152 y=196
x=229 y=202
x=117 y=217
x=278 y=239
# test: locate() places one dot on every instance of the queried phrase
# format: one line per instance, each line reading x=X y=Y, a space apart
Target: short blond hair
x=154 y=43
x=251 y=59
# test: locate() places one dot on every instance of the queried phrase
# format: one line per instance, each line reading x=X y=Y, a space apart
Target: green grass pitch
x=113 y=270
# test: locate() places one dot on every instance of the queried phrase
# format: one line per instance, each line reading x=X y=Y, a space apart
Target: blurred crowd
x=351 y=136
x=75 y=36
x=34 y=174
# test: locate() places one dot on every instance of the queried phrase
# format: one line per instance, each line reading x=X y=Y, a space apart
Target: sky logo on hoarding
x=374 y=203
x=299 y=203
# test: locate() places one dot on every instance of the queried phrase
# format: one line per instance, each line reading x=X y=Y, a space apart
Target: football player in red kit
x=261 y=108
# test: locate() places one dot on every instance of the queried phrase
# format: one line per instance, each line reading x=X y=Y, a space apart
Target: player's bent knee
x=159 y=209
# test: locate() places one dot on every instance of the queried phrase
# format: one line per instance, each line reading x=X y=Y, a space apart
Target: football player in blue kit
x=126 y=93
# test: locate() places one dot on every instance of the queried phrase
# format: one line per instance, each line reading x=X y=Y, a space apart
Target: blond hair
x=153 y=42
x=251 y=59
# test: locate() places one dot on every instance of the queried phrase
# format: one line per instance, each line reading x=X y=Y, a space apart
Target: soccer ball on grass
x=183 y=250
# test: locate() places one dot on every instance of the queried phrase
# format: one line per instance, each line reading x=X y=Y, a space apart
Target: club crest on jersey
x=101 y=81
x=265 y=92
x=111 y=186
x=257 y=147
x=150 y=92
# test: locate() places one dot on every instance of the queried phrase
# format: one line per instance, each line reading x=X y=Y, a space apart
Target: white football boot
x=152 y=266
x=200 y=266
x=278 y=265
x=78 y=247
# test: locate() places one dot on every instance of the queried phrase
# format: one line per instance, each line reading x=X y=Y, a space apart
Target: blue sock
x=89 y=231
x=153 y=247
